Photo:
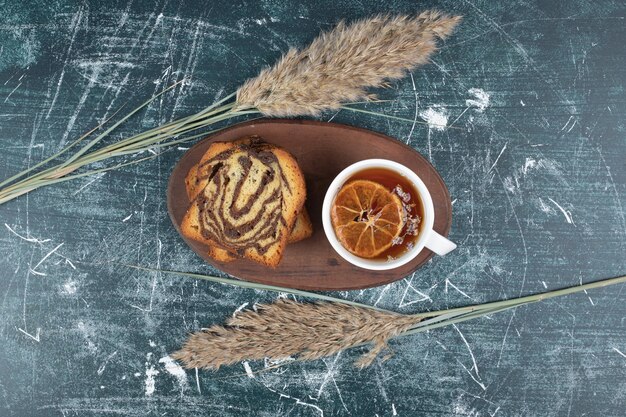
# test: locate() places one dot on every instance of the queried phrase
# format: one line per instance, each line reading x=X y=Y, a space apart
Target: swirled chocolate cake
x=302 y=229
x=247 y=196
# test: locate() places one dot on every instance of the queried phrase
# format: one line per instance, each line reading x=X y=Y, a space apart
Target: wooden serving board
x=322 y=150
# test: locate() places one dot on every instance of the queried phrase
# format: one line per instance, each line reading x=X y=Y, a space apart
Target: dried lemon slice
x=366 y=218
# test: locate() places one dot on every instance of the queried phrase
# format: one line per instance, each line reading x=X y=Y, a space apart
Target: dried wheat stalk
x=314 y=330
x=288 y=328
x=341 y=64
x=336 y=68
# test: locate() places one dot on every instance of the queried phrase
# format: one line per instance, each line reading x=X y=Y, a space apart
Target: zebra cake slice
x=247 y=202
x=302 y=228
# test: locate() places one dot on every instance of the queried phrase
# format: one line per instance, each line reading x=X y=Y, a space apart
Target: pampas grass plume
x=287 y=328
x=339 y=66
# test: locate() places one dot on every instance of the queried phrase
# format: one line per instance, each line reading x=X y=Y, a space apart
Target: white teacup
x=427 y=237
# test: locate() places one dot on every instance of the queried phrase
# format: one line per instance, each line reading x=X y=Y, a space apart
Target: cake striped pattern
x=242 y=204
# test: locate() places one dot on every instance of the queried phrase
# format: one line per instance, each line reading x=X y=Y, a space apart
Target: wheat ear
x=339 y=66
x=278 y=330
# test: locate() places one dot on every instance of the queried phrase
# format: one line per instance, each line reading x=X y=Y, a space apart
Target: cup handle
x=439 y=244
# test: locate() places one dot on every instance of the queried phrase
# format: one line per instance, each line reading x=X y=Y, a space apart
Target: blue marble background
x=536 y=171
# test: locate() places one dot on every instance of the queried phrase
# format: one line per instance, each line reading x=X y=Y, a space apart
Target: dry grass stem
x=340 y=65
x=288 y=328
x=311 y=331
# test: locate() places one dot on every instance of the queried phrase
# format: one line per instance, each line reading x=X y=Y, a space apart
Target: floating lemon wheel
x=366 y=218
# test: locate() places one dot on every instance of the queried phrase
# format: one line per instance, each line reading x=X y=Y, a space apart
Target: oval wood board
x=322 y=150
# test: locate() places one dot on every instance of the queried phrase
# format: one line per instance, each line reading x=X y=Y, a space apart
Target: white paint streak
x=480 y=101
x=88 y=333
x=198 y=381
x=448 y=282
x=381 y=294
x=240 y=308
x=529 y=164
x=495 y=412
x=474 y=366
x=104 y=364
x=498 y=158
x=619 y=352
x=566 y=213
x=571 y=126
x=75 y=26
x=409 y=285
x=11 y=93
x=176 y=370
x=436 y=117
x=544 y=207
x=46 y=257
x=504 y=338
x=81 y=102
x=474 y=378
x=35 y=337
x=270 y=363
x=97 y=63
x=88 y=183
x=70 y=287
x=297 y=400
x=328 y=375
x=150 y=381
x=248 y=369
x=408 y=139
x=27 y=239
